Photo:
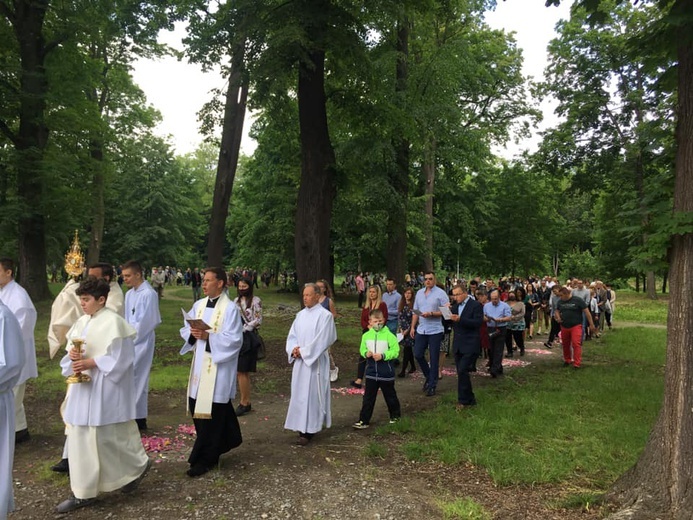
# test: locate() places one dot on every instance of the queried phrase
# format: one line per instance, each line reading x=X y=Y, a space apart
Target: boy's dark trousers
x=389 y=393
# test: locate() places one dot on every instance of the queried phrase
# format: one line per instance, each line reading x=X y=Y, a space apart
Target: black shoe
x=401 y=374
x=355 y=384
x=141 y=424
x=509 y=355
x=548 y=345
x=196 y=470
x=472 y=369
x=430 y=392
x=61 y=467
x=425 y=386
x=73 y=503
x=522 y=352
x=132 y=486
x=243 y=409
x=21 y=436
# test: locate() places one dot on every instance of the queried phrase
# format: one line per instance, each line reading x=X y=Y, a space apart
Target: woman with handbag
x=251 y=314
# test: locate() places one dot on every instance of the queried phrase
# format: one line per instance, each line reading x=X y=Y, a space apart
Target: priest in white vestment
x=11 y=365
x=18 y=301
x=142 y=312
x=311 y=334
x=104 y=444
x=212 y=382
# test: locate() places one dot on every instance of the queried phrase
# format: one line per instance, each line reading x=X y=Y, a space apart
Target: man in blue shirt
x=497 y=314
x=391 y=298
x=427 y=329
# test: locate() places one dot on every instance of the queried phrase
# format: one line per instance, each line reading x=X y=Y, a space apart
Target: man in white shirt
x=18 y=301
x=142 y=312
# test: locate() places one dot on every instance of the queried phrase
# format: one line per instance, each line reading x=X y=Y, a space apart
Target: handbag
x=252 y=341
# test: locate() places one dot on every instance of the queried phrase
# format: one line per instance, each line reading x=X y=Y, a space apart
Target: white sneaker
x=334 y=374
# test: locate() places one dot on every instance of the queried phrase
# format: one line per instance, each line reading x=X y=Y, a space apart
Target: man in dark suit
x=467 y=318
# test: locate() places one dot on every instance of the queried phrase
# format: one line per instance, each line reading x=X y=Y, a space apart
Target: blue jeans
x=392 y=325
x=432 y=342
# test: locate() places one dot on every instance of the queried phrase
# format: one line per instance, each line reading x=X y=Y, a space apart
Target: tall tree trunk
x=231 y=135
x=661 y=482
x=429 y=170
x=399 y=177
x=30 y=143
x=664 y=282
x=98 y=216
x=637 y=282
x=317 y=191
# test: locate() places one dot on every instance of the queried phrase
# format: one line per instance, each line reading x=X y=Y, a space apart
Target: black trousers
x=495 y=352
x=408 y=357
x=555 y=330
x=389 y=393
x=519 y=338
x=215 y=436
x=464 y=363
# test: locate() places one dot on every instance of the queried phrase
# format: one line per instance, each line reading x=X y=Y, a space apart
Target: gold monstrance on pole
x=74 y=266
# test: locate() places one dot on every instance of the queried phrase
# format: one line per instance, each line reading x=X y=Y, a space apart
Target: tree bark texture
x=231 y=135
x=98 y=207
x=429 y=170
x=660 y=485
x=30 y=144
x=317 y=191
x=399 y=177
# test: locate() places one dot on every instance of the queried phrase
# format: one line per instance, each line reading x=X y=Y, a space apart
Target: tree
x=29 y=136
x=660 y=483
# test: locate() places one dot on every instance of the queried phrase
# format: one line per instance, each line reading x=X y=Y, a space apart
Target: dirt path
x=269 y=477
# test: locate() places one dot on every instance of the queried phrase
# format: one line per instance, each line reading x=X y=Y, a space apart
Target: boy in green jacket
x=380 y=348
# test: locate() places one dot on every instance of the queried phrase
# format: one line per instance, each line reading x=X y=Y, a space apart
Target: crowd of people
x=109 y=342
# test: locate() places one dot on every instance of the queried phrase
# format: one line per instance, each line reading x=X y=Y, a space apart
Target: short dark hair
x=480 y=292
x=7 y=264
x=96 y=287
x=133 y=265
x=106 y=269
x=462 y=287
x=218 y=272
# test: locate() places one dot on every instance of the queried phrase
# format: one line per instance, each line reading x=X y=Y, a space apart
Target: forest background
x=375 y=128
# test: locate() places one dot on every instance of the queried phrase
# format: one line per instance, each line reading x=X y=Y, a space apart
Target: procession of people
x=109 y=343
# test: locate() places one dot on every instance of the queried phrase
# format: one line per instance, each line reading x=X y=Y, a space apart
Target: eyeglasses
x=428 y=278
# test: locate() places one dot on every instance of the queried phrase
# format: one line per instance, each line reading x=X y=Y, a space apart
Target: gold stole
x=208 y=375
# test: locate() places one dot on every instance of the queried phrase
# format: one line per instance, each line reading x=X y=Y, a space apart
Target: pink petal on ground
x=539 y=351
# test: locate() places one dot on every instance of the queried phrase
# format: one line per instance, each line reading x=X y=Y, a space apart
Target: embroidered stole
x=208 y=374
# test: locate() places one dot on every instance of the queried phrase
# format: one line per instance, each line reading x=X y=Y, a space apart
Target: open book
x=194 y=322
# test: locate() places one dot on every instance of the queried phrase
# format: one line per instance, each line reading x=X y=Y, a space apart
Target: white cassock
x=313 y=331
x=17 y=300
x=225 y=345
x=66 y=310
x=11 y=365
x=142 y=312
x=103 y=439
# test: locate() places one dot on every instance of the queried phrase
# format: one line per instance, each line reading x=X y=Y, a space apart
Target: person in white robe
x=212 y=382
x=106 y=452
x=11 y=366
x=65 y=312
x=311 y=334
x=142 y=312
x=18 y=301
